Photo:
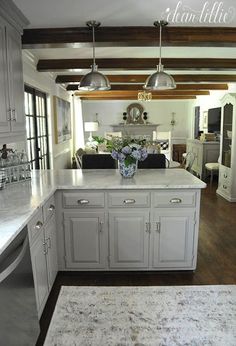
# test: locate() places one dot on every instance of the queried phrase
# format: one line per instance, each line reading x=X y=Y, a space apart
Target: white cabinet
x=204 y=152
x=85 y=239
x=12 y=118
x=227 y=171
x=43 y=250
x=173 y=238
x=129 y=239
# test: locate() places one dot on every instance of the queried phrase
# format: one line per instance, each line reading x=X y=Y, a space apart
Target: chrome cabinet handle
x=225 y=175
x=13 y=115
x=224 y=186
x=10 y=113
x=148 y=227
x=49 y=243
x=38 y=225
x=51 y=207
x=100 y=226
x=158 y=227
x=176 y=200
x=45 y=248
x=83 y=201
x=129 y=201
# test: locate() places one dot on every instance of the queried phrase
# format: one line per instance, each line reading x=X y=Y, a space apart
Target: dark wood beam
x=138 y=78
x=200 y=86
x=137 y=64
x=155 y=97
x=130 y=36
x=111 y=93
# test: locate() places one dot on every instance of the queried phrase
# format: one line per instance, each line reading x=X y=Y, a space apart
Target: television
x=214 y=117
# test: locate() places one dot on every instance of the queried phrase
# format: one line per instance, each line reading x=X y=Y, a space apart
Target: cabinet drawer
x=129 y=199
x=175 y=199
x=83 y=199
x=35 y=226
x=49 y=209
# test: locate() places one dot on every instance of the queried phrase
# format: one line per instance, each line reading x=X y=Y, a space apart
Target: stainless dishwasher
x=19 y=325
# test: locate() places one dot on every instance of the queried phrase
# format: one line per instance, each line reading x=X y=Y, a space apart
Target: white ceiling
x=65 y=13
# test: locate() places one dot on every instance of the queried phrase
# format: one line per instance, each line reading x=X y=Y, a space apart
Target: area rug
x=144 y=316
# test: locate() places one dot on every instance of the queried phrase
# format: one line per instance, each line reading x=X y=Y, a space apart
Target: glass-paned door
x=37 y=128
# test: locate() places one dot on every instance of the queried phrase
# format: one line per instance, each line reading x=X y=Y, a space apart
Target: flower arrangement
x=127 y=150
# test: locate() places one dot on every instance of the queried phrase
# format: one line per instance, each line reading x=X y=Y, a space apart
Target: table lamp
x=91 y=126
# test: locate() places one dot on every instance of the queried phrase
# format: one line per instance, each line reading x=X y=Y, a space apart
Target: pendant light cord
x=160 y=43
x=93 y=47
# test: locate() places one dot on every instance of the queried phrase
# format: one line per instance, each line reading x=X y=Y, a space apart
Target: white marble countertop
x=18 y=202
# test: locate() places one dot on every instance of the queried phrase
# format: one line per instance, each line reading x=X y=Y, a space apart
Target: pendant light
x=160 y=80
x=94 y=80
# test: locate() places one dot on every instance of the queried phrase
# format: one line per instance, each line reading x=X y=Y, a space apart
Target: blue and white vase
x=127 y=171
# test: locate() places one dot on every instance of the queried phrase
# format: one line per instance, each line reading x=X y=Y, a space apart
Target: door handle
x=38 y=225
x=51 y=207
x=100 y=226
x=148 y=227
x=158 y=227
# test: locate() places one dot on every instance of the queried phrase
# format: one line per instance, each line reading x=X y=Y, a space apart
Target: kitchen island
x=96 y=220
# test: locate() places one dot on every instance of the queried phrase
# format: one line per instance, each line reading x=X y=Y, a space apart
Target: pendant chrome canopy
x=160 y=80
x=94 y=80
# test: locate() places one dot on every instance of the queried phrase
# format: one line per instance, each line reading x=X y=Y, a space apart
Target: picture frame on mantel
x=62 y=120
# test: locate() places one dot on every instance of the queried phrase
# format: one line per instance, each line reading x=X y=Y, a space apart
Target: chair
x=153 y=161
x=213 y=167
x=164 y=139
x=98 y=161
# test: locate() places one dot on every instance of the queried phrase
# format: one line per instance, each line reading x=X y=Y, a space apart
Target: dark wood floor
x=216 y=259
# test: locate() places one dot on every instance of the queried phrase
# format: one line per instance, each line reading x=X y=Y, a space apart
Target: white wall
x=159 y=112
x=60 y=154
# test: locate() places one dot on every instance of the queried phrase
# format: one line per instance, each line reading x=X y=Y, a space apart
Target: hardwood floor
x=216 y=259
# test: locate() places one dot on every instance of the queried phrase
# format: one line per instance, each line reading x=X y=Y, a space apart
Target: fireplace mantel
x=135 y=129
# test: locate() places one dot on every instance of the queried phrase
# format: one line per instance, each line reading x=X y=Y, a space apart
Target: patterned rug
x=144 y=316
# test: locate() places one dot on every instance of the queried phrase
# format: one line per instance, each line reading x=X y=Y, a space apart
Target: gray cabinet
x=43 y=248
x=85 y=239
x=129 y=239
x=129 y=229
x=12 y=118
x=173 y=238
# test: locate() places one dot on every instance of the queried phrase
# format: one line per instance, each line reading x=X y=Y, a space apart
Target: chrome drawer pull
x=129 y=201
x=83 y=201
x=225 y=175
x=176 y=200
x=224 y=186
x=51 y=207
x=38 y=225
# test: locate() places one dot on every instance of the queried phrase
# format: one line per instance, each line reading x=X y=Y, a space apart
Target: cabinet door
x=38 y=258
x=129 y=239
x=173 y=238
x=85 y=239
x=50 y=239
x=4 y=122
x=15 y=80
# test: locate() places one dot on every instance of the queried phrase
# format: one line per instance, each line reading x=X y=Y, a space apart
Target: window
x=37 y=128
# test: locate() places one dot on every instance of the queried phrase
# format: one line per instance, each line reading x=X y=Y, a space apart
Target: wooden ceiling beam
x=155 y=97
x=138 y=78
x=137 y=64
x=122 y=93
x=139 y=36
x=200 y=86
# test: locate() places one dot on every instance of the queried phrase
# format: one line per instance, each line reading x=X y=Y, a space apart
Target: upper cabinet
x=227 y=172
x=12 y=118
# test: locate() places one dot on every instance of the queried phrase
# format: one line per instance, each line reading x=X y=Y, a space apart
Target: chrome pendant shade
x=160 y=80
x=94 y=80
